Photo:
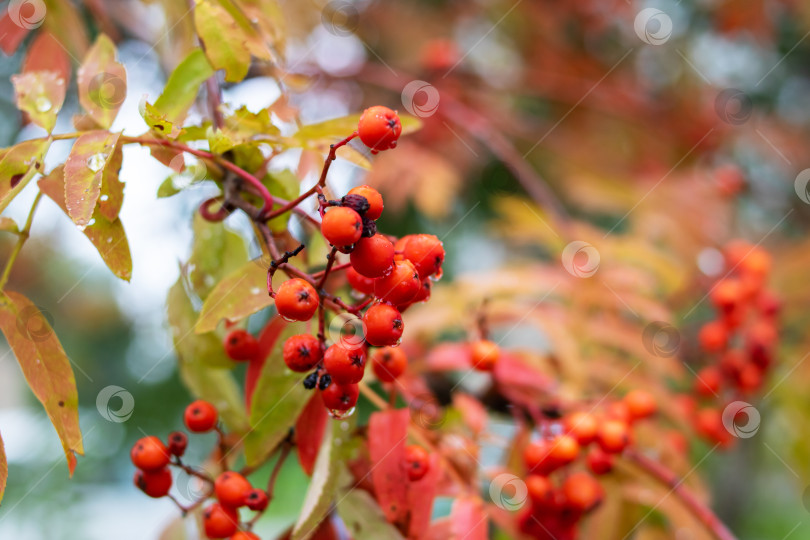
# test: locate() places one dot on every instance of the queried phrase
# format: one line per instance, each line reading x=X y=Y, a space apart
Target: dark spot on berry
x=303 y=351
x=397 y=324
x=357 y=359
x=392 y=123
x=303 y=296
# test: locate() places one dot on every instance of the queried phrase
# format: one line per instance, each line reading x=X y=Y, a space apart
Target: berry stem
x=22 y=236
x=702 y=512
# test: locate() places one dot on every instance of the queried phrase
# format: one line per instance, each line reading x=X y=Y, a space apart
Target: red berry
x=713 y=336
x=375 y=200
x=345 y=366
x=618 y=410
x=302 y=352
x=257 y=500
x=543 y=457
x=379 y=128
x=200 y=416
x=232 y=489
x=150 y=454
x=613 y=436
x=400 y=285
x=541 y=491
x=240 y=345
x=641 y=404
x=582 y=426
x=389 y=363
x=340 y=397
x=727 y=293
x=709 y=424
x=342 y=226
x=245 y=535
x=178 y=441
x=359 y=282
x=372 y=257
x=296 y=300
x=424 y=292
x=382 y=325
x=156 y=484
x=426 y=253
x=708 y=381
x=582 y=492
x=220 y=521
x=418 y=462
x=484 y=354
x=599 y=462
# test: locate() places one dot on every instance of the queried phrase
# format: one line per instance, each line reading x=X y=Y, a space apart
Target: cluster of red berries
x=558 y=497
x=153 y=459
x=739 y=343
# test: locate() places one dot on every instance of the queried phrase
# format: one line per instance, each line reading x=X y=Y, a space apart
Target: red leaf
x=469 y=519
x=387 y=434
x=449 y=357
x=45 y=54
x=520 y=382
x=11 y=34
x=420 y=499
x=309 y=429
x=267 y=339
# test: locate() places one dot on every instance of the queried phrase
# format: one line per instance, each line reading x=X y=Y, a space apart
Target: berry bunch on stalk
x=739 y=344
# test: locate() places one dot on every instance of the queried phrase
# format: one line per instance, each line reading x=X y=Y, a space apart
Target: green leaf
x=8 y=225
x=17 y=161
x=362 y=515
x=216 y=252
x=112 y=188
x=286 y=185
x=320 y=136
x=195 y=354
x=220 y=140
x=108 y=236
x=239 y=294
x=84 y=169
x=248 y=124
x=182 y=87
x=223 y=39
x=278 y=399
x=158 y=123
x=102 y=82
x=46 y=368
x=40 y=94
x=324 y=484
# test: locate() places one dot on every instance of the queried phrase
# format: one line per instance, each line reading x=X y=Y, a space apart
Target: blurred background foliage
x=555 y=123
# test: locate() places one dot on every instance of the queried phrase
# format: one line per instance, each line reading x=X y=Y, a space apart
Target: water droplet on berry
x=340 y=415
x=43 y=104
x=438 y=275
x=96 y=162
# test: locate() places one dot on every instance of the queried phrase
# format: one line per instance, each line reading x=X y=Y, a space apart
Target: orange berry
x=400 y=285
x=426 y=253
x=613 y=436
x=726 y=294
x=379 y=128
x=484 y=354
x=382 y=325
x=342 y=226
x=150 y=454
x=541 y=490
x=582 y=426
x=231 y=489
x=713 y=336
x=641 y=404
x=200 y=416
x=156 y=484
x=599 y=461
x=708 y=381
x=418 y=462
x=375 y=200
x=245 y=535
x=302 y=352
x=582 y=492
x=296 y=300
x=389 y=363
x=220 y=521
x=339 y=397
x=359 y=282
x=372 y=257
